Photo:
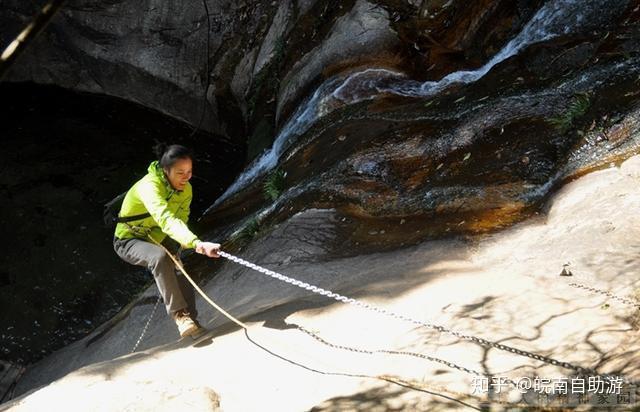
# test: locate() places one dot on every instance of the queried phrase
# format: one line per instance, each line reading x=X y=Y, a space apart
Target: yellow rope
x=385 y=378
x=204 y=295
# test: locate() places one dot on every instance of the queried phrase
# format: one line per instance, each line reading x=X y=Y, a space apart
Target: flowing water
x=556 y=17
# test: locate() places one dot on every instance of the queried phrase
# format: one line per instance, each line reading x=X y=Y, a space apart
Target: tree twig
x=20 y=43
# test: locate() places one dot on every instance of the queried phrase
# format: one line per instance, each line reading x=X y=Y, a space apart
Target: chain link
x=407 y=383
x=394 y=352
x=607 y=293
x=146 y=326
x=481 y=341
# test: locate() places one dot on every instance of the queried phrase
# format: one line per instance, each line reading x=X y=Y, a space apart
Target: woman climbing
x=157 y=207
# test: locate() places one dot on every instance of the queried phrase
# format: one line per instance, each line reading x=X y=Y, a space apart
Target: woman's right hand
x=209 y=249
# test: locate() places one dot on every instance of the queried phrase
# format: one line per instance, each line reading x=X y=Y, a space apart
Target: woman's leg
x=186 y=288
x=188 y=293
x=142 y=253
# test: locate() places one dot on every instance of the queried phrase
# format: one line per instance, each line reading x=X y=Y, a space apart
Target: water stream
x=556 y=17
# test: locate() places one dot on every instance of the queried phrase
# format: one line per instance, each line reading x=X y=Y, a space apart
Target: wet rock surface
x=463 y=158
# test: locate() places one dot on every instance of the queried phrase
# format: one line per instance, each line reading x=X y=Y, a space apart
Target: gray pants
x=175 y=289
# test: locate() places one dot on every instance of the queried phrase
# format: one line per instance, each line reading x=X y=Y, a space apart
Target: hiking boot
x=186 y=325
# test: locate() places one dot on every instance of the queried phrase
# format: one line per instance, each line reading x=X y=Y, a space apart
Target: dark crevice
x=65 y=154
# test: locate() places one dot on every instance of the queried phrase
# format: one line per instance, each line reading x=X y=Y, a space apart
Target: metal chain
x=607 y=293
x=407 y=383
x=397 y=380
x=391 y=379
x=422 y=356
x=395 y=352
x=8 y=394
x=144 y=330
x=341 y=298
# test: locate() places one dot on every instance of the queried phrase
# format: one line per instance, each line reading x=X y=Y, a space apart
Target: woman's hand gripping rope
x=209 y=249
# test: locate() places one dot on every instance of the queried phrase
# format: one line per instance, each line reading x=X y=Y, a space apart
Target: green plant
x=274 y=185
x=576 y=109
x=249 y=231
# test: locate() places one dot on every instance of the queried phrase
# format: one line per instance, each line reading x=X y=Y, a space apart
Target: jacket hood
x=155 y=170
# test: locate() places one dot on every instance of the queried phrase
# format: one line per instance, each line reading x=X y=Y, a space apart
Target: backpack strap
x=125 y=219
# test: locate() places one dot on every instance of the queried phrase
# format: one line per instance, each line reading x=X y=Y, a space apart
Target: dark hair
x=168 y=154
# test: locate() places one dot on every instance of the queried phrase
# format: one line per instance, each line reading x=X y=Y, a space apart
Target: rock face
x=363 y=31
x=150 y=52
x=387 y=178
x=473 y=151
x=503 y=288
x=260 y=58
x=155 y=53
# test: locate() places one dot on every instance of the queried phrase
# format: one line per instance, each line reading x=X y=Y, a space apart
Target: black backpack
x=112 y=209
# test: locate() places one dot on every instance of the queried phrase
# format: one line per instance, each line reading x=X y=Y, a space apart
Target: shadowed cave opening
x=64 y=154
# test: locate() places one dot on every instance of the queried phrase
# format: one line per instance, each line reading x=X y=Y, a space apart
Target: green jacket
x=169 y=209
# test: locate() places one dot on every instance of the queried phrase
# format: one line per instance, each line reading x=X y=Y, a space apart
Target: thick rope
x=345 y=299
x=197 y=288
x=384 y=378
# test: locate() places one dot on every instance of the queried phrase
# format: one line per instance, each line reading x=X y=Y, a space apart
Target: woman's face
x=179 y=174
